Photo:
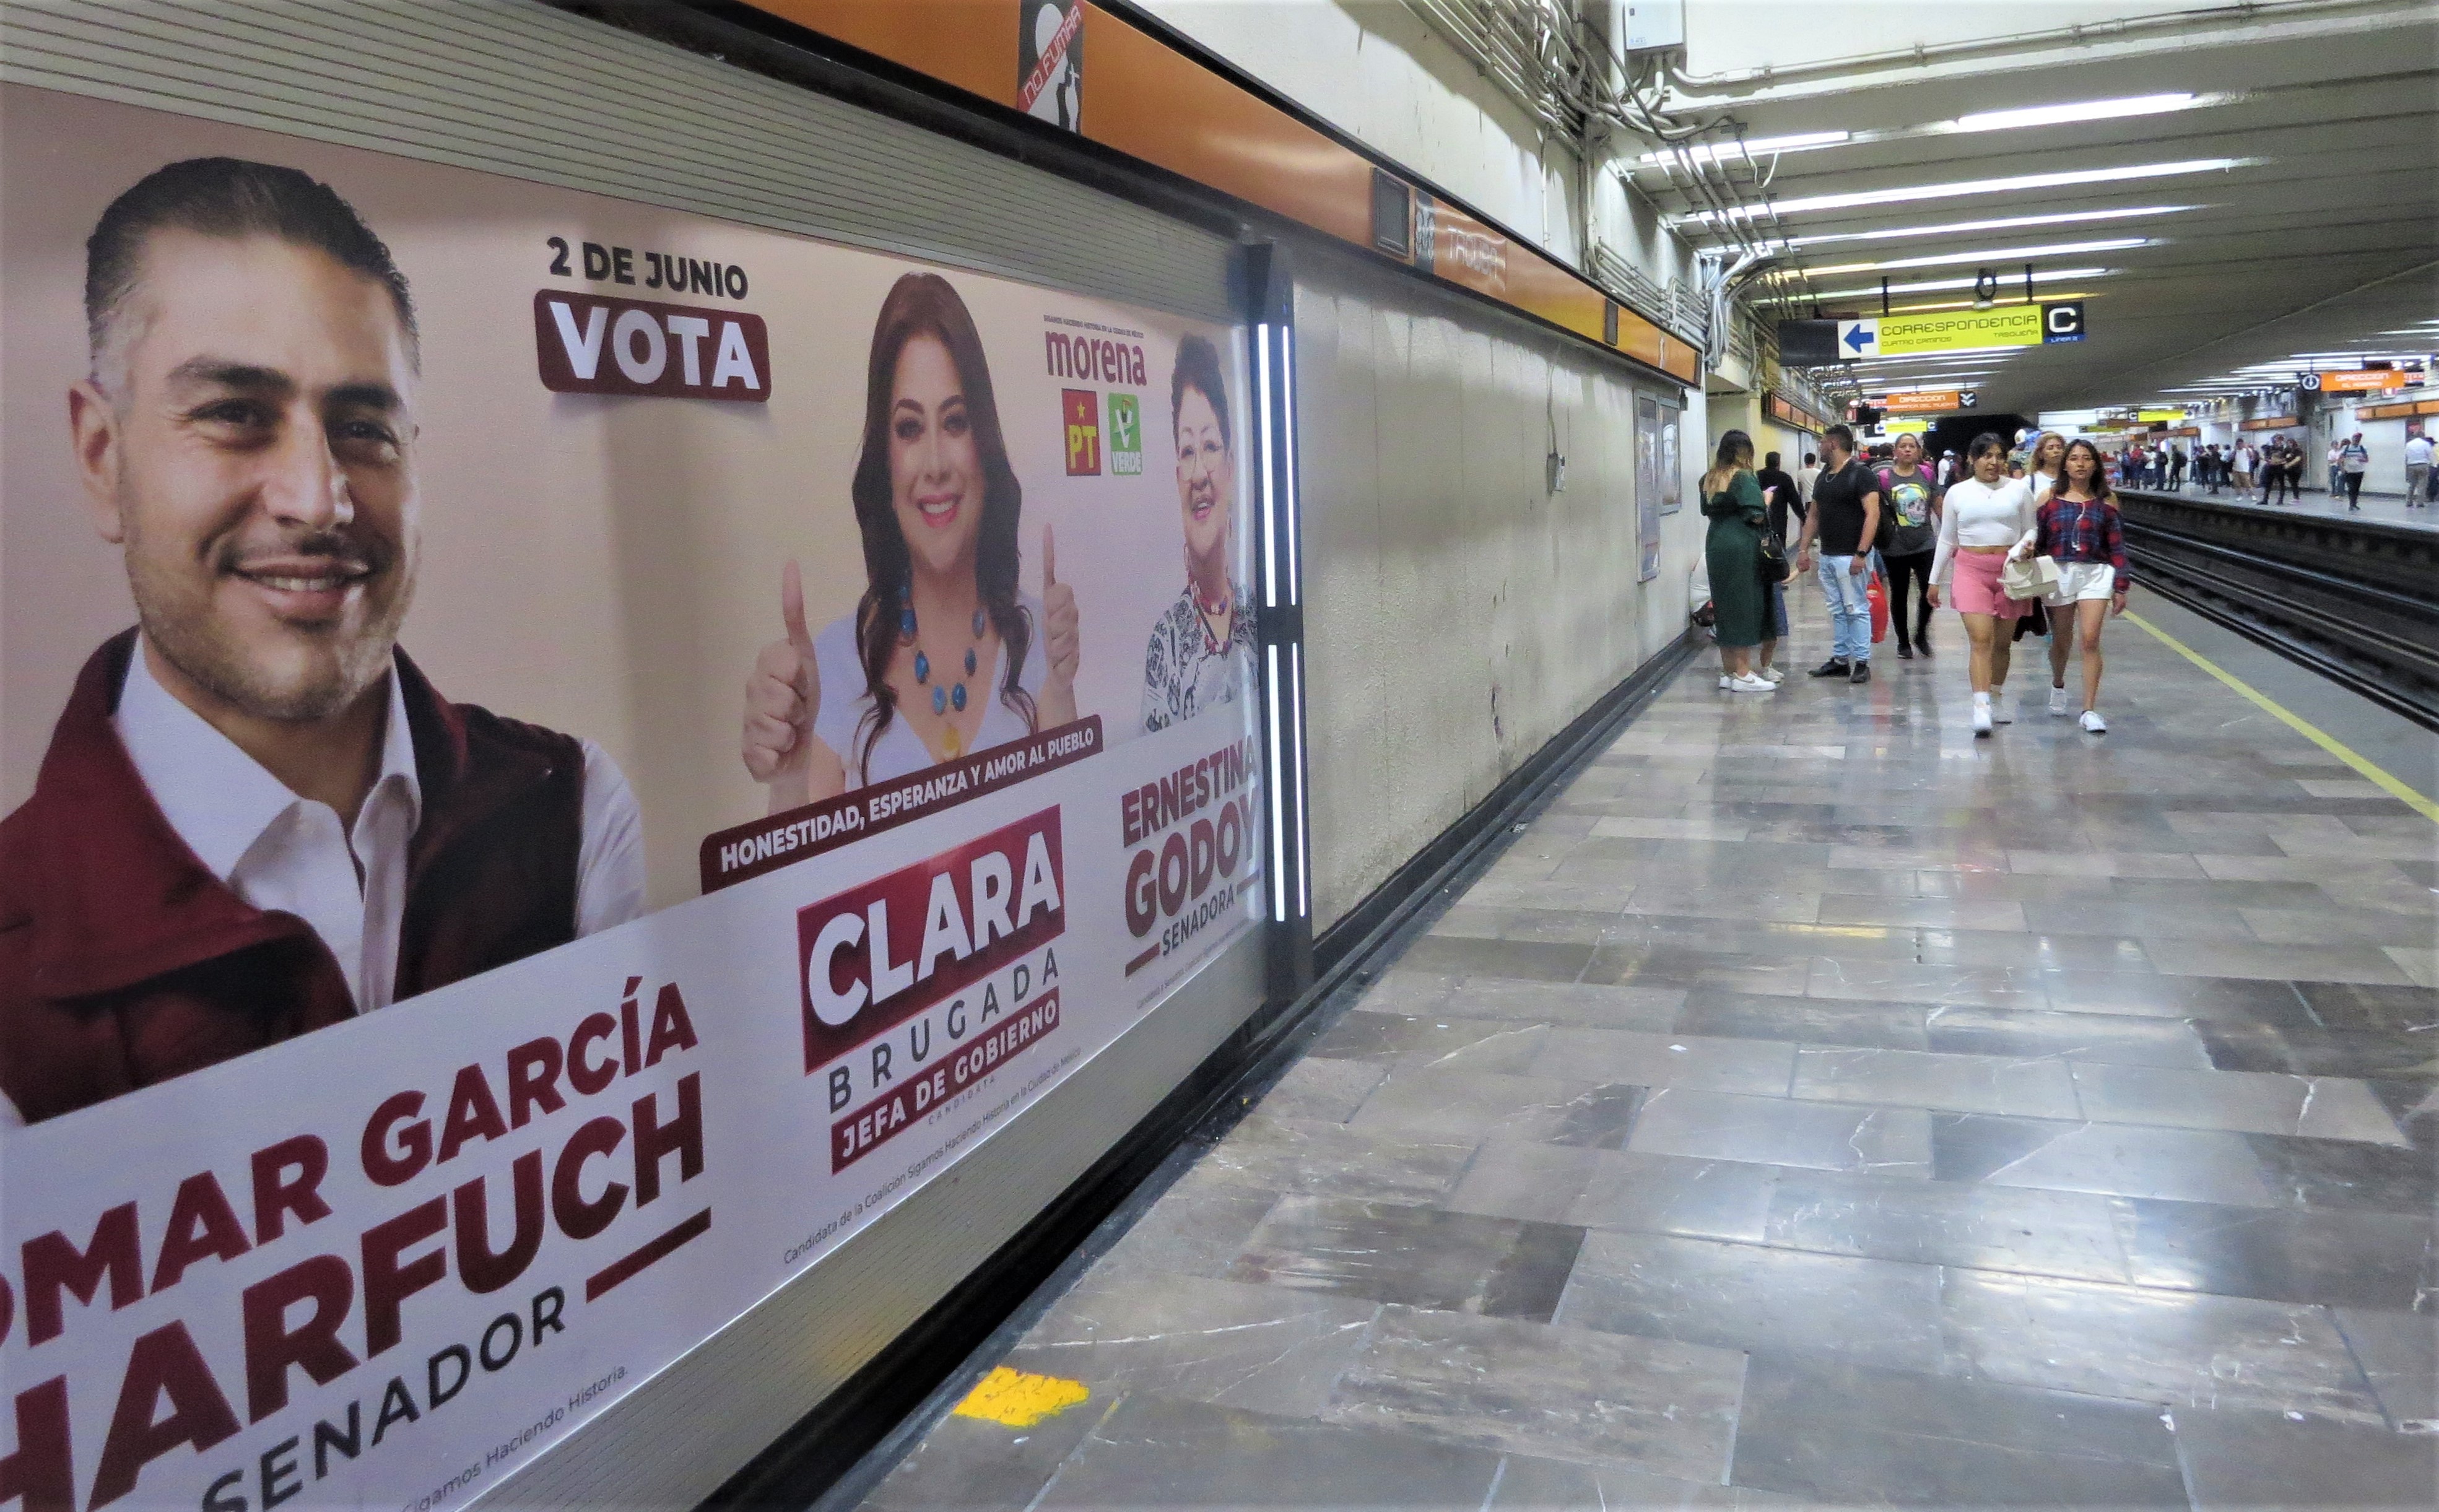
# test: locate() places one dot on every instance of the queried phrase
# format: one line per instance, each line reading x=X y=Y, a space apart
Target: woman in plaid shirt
x=2079 y=529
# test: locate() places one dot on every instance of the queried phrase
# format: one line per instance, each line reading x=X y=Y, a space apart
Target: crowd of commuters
x=2017 y=542
x=2277 y=468
x=2022 y=543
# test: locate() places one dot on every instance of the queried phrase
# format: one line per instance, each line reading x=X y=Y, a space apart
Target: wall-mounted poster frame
x=1647 y=482
x=901 y=622
x=1672 y=458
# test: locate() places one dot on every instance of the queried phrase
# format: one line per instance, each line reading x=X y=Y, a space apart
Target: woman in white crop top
x=1989 y=517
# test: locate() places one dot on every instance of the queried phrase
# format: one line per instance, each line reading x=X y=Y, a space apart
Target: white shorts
x=2084 y=579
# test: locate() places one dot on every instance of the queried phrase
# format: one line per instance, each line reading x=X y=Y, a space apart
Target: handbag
x=2029 y=577
x=1876 y=593
x=1774 y=562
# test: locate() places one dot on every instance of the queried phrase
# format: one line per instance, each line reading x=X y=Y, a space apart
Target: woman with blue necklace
x=942 y=654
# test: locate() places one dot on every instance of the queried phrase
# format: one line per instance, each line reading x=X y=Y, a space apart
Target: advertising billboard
x=559 y=758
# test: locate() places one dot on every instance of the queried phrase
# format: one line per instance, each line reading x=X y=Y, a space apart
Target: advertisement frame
x=1280 y=696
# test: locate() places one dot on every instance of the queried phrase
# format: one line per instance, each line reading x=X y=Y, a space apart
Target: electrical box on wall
x=1645 y=26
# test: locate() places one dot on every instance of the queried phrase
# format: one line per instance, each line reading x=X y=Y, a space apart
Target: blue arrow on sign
x=1858 y=339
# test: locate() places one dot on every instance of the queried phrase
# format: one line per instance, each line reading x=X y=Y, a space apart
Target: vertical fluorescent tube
x=1293 y=525
x=1295 y=703
x=1262 y=418
x=1279 y=821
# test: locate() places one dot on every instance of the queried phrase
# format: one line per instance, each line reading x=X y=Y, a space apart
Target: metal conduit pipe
x=1546 y=58
x=1921 y=53
x=1715 y=342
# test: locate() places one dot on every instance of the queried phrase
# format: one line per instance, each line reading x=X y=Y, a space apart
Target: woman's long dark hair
x=923 y=304
x=1733 y=456
x=1989 y=442
x=2099 y=483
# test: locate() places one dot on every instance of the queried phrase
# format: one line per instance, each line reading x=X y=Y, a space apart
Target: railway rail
x=2355 y=600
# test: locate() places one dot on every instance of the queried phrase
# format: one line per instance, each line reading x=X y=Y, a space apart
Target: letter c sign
x=2062 y=322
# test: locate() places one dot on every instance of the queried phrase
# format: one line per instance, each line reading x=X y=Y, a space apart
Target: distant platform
x=2380 y=508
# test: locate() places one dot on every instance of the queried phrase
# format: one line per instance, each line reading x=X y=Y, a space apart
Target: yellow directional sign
x=1960 y=331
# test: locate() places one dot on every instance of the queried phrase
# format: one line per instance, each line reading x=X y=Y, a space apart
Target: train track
x=2356 y=601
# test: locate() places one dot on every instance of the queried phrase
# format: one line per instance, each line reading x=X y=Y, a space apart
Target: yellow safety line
x=1016 y=1400
x=2380 y=776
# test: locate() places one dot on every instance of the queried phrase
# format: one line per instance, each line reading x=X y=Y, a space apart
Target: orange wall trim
x=1787 y=412
x=970 y=44
x=1151 y=102
x=2398 y=412
x=1147 y=99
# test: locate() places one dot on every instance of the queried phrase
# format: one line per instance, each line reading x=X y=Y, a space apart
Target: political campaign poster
x=558 y=758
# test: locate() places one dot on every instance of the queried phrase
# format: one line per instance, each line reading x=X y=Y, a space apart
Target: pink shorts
x=1975 y=588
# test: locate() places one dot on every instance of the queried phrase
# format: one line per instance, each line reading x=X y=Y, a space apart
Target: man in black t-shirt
x=1773 y=476
x=1845 y=519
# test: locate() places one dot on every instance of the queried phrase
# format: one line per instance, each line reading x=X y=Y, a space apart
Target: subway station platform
x=1816 y=1106
x=2384 y=508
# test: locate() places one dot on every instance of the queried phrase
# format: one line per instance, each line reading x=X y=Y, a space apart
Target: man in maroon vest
x=257 y=817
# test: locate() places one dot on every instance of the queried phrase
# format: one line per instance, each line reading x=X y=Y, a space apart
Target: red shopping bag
x=1877 y=591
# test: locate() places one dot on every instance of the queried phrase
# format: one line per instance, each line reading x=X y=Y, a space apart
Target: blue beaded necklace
x=944 y=698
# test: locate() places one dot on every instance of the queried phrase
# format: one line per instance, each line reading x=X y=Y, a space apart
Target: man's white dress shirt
x=277 y=850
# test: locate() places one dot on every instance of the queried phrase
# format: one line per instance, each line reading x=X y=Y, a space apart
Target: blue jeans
x=1850 y=612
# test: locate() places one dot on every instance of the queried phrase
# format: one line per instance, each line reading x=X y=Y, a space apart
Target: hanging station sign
x=2360 y=381
x=1931 y=401
x=1956 y=330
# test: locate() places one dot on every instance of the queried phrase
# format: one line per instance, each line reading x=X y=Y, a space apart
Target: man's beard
x=302 y=687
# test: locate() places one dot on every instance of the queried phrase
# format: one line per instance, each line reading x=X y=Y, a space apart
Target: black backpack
x=1885 y=538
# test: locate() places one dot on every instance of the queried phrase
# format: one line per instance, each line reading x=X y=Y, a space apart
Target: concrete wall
x=1736 y=37
x=1373 y=69
x=1457 y=613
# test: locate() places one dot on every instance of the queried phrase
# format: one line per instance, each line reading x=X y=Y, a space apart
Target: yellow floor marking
x=1014 y=1399
x=2379 y=774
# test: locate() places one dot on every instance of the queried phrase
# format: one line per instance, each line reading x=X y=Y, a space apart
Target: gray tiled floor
x=1814 y=1106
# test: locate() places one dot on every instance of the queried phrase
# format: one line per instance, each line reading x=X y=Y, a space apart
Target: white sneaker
x=2058 y=703
x=1773 y=675
x=2093 y=723
x=1726 y=682
x=1747 y=683
x=1982 y=716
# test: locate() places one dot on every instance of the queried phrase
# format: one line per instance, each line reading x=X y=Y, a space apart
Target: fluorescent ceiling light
x=1927 y=307
x=2012 y=223
x=1757 y=147
x=1919 y=360
x=1950 y=260
x=1935 y=285
x=2022 y=182
x=2088 y=110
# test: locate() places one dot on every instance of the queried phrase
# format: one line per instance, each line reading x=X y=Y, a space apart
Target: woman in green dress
x=1738 y=509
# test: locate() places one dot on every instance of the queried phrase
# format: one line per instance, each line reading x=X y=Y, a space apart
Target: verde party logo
x=1125 y=435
